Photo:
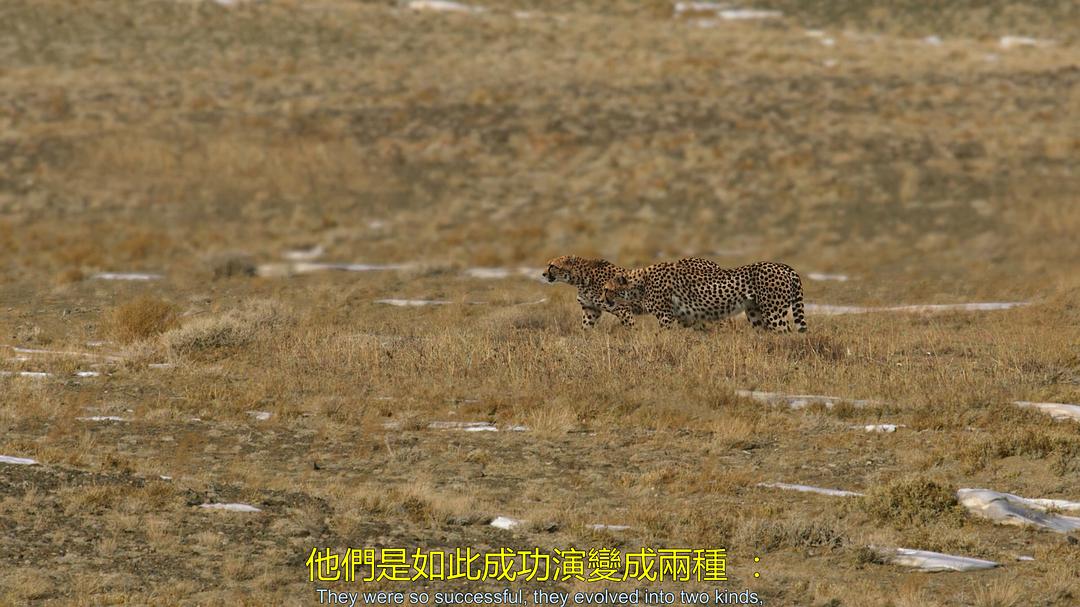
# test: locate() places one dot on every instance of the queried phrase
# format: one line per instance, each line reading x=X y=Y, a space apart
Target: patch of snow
x=1056 y=410
x=602 y=527
x=1024 y=557
x=504 y=522
x=827 y=309
x=800 y=401
x=880 y=427
x=831 y=310
x=810 y=489
x=307 y=267
x=103 y=418
x=744 y=14
x=474 y=427
x=932 y=40
x=466 y=426
x=497 y=273
x=924 y=560
x=821 y=276
x=260 y=415
x=231 y=507
x=1009 y=509
x=413 y=302
x=314 y=252
x=35 y=374
x=444 y=6
x=1008 y=42
x=63 y=353
x=126 y=276
x=87 y=374
x=699 y=7
x=18 y=461
x=165 y=478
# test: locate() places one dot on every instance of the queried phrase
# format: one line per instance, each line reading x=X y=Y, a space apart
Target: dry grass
x=199 y=142
x=914 y=501
x=226 y=331
x=142 y=318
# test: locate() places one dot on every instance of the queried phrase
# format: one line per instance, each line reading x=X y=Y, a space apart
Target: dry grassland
x=199 y=142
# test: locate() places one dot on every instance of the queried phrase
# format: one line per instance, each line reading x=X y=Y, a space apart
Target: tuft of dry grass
x=912 y=501
x=1058 y=445
x=769 y=534
x=227 y=330
x=141 y=318
x=231 y=264
x=1000 y=593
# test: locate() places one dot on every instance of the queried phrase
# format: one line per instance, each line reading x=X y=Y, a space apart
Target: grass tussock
x=228 y=330
x=230 y=265
x=770 y=534
x=819 y=347
x=417 y=502
x=1059 y=446
x=913 y=501
x=142 y=318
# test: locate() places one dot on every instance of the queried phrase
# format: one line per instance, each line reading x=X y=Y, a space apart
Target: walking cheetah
x=694 y=290
x=589 y=276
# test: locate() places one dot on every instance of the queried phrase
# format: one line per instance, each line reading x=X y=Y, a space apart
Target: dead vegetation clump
x=229 y=265
x=417 y=502
x=141 y=318
x=229 y=330
x=1036 y=444
x=812 y=346
x=771 y=534
x=915 y=500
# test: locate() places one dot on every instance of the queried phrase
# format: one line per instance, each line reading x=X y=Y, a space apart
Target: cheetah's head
x=561 y=268
x=622 y=288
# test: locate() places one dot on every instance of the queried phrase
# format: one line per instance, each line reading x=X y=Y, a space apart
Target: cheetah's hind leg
x=776 y=320
x=798 y=315
x=753 y=314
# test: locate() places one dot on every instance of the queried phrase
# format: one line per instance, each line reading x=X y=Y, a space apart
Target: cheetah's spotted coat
x=695 y=290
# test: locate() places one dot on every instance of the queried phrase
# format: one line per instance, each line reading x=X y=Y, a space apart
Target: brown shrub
x=141 y=318
x=913 y=501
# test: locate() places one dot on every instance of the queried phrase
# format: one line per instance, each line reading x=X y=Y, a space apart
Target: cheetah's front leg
x=667 y=320
x=589 y=316
x=625 y=316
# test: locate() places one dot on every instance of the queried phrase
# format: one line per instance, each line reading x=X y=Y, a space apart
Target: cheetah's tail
x=797 y=303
